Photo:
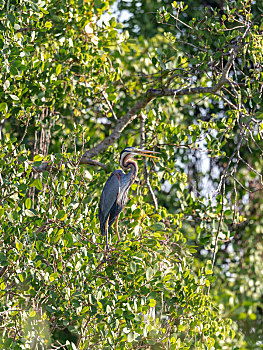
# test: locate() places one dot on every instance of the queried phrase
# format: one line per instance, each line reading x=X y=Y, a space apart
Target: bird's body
x=114 y=196
x=117 y=183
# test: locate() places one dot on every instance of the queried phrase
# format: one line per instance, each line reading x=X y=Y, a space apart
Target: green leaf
x=21 y=277
x=112 y=97
x=130 y=337
x=3 y=259
x=29 y=213
x=58 y=69
x=152 y=303
x=43 y=10
x=158 y=226
x=48 y=25
x=36 y=63
x=133 y=266
x=61 y=215
x=259 y=115
x=37 y=183
x=218 y=55
x=78 y=266
x=149 y=273
x=38 y=157
x=3 y=107
x=19 y=245
x=14 y=97
x=252 y=316
x=232 y=333
x=11 y=18
x=192 y=250
x=28 y=203
x=32 y=313
x=256 y=98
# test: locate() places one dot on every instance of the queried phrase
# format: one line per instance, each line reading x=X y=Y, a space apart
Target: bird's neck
x=132 y=165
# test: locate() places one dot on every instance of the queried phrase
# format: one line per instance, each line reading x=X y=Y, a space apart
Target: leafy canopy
x=72 y=82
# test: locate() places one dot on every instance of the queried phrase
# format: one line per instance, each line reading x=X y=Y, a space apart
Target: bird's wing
x=109 y=195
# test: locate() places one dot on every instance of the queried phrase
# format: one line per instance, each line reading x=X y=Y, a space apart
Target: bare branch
x=146 y=174
x=226 y=100
x=47 y=166
x=109 y=105
x=22 y=139
x=83 y=160
x=3 y=270
x=199 y=89
x=121 y=125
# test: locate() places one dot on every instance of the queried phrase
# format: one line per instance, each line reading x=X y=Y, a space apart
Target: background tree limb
x=154 y=93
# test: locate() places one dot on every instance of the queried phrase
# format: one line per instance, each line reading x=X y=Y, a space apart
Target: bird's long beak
x=146 y=153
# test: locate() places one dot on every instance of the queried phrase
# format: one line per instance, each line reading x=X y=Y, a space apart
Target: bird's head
x=131 y=152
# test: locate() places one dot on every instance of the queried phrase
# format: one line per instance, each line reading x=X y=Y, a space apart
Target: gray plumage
x=114 y=195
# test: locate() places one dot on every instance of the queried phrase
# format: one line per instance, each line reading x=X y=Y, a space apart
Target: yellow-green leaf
x=21 y=277
x=58 y=69
x=48 y=25
x=28 y=203
x=32 y=313
x=152 y=303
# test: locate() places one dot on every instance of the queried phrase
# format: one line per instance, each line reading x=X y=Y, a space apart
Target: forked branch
x=134 y=112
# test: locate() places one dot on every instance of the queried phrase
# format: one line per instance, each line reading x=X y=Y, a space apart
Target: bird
x=114 y=195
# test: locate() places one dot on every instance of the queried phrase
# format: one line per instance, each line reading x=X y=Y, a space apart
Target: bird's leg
x=106 y=230
x=116 y=227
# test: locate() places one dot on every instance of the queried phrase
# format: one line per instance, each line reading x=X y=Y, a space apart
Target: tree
x=75 y=90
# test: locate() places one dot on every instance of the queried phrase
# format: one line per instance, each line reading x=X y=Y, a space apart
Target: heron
x=114 y=195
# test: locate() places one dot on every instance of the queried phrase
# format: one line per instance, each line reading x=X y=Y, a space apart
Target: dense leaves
x=140 y=293
x=186 y=275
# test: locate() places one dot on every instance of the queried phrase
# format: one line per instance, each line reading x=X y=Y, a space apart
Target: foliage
x=181 y=274
x=55 y=255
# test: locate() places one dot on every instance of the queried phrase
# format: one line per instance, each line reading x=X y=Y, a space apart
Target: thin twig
x=155 y=93
x=19 y=143
x=146 y=174
x=109 y=105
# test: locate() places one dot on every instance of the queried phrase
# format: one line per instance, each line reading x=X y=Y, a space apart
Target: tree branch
x=133 y=113
x=109 y=105
x=46 y=166
x=154 y=93
x=121 y=125
x=92 y=162
x=146 y=174
x=199 y=89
